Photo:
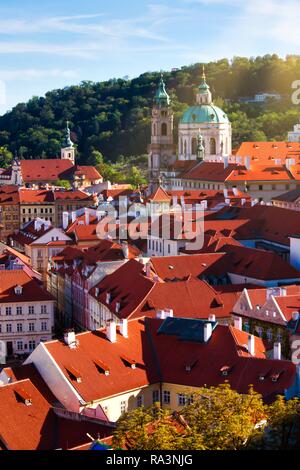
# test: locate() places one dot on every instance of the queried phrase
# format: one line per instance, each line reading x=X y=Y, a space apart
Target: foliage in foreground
x=216 y=418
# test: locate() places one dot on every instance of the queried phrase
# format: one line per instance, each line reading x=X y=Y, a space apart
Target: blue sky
x=50 y=44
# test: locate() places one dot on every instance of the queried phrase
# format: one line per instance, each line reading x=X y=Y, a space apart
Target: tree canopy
x=216 y=418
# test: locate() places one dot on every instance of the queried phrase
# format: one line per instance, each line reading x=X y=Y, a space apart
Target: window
x=164 y=129
x=181 y=399
x=166 y=397
x=31 y=345
x=260 y=187
x=19 y=311
x=0 y=328
x=44 y=326
x=194 y=146
x=31 y=326
x=270 y=335
x=19 y=327
x=8 y=310
x=123 y=407
x=19 y=345
x=43 y=309
x=155 y=396
x=279 y=336
x=139 y=401
x=8 y=328
x=212 y=146
x=31 y=310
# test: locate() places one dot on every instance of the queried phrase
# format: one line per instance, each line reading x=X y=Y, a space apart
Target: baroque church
x=204 y=134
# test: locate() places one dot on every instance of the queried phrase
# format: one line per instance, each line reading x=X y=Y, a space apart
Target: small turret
x=204 y=94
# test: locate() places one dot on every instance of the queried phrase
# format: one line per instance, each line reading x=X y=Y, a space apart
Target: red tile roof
x=37 y=426
x=94 y=346
x=36 y=196
x=189 y=299
x=29 y=371
x=9 y=194
x=128 y=286
x=153 y=353
x=32 y=291
x=225 y=348
x=44 y=170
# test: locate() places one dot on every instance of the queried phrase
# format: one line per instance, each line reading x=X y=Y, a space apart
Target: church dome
x=205 y=113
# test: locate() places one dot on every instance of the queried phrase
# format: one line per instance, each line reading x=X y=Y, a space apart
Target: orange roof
x=160 y=195
x=94 y=346
x=44 y=170
x=36 y=426
x=36 y=196
x=32 y=291
x=151 y=345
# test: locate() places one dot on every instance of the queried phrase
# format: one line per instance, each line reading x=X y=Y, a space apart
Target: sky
x=48 y=44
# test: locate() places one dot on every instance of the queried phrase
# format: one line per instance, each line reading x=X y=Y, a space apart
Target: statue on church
x=200 y=147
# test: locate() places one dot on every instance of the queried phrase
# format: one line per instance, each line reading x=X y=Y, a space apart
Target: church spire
x=161 y=96
x=67 y=142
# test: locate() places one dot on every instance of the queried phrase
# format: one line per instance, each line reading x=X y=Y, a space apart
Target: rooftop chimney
x=70 y=339
x=87 y=217
x=108 y=297
x=118 y=306
x=207 y=332
x=169 y=312
x=161 y=314
x=251 y=345
x=65 y=220
x=277 y=351
x=174 y=200
x=111 y=332
x=125 y=248
x=148 y=269
x=238 y=323
x=124 y=328
x=248 y=163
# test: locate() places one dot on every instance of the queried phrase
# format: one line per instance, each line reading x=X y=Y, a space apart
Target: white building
x=294 y=136
x=26 y=312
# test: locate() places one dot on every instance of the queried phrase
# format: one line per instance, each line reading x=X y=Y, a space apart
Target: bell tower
x=161 y=149
x=68 y=149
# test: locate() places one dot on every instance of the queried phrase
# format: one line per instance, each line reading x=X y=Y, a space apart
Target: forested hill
x=113 y=117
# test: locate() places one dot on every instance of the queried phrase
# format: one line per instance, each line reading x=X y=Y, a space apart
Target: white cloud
x=30 y=74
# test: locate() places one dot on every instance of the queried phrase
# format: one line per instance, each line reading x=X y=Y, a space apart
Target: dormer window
x=74 y=374
x=225 y=370
x=18 y=290
x=128 y=361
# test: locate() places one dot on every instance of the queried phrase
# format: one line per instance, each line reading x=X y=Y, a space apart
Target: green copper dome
x=205 y=113
x=161 y=96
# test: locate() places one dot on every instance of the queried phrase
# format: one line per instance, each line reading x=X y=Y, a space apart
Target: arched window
x=164 y=129
x=185 y=149
x=194 y=146
x=212 y=145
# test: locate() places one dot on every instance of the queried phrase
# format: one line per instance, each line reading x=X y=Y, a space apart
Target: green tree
x=225 y=419
x=5 y=157
x=63 y=184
